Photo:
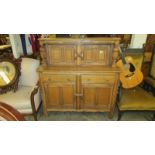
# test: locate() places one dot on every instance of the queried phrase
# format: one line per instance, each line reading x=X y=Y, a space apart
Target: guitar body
x=130 y=76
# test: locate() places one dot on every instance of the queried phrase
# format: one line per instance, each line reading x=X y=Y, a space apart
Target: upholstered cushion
x=136 y=99
x=20 y=100
x=29 y=75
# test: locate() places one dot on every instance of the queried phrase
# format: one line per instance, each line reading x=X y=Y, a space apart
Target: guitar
x=130 y=76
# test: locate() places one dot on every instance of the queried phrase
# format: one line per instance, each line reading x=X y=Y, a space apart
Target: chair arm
x=33 y=93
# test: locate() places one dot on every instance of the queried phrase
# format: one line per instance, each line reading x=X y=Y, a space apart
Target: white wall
x=138 y=40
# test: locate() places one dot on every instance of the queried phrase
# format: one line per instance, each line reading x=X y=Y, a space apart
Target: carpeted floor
x=89 y=116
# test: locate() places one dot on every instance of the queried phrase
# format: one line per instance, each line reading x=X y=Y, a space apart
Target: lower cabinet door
x=96 y=97
x=60 y=96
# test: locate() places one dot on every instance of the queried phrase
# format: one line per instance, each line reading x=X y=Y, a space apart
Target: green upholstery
x=136 y=99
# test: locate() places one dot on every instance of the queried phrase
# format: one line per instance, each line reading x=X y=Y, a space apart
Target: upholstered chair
x=135 y=99
x=27 y=97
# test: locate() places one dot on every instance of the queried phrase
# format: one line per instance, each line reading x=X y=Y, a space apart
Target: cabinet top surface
x=78 y=40
x=85 y=69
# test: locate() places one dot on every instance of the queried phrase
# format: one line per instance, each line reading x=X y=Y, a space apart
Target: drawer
x=97 y=79
x=58 y=78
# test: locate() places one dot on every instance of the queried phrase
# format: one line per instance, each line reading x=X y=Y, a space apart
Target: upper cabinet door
x=96 y=55
x=61 y=54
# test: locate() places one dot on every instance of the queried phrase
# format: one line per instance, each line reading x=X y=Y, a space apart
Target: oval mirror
x=8 y=74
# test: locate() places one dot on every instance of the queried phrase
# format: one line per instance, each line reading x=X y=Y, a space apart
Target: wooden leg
x=35 y=116
x=119 y=115
x=153 y=119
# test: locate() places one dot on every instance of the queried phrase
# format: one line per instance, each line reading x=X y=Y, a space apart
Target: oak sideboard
x=79 y=74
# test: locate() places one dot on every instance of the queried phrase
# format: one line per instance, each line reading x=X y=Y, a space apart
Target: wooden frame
x=34 y=110
x=9 y=113
x=13 y=85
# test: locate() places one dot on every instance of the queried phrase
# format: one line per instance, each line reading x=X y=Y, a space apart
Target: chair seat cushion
x=20 y=99
x=136 y=99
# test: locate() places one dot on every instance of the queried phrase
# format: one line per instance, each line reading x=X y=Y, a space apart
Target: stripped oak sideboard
x=79 y=74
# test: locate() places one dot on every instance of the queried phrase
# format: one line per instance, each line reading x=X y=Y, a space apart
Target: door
x=97 y=92
x=61 y=54
x=96 y=54
x=59 y=90
x=96 y=97
x=60 y=96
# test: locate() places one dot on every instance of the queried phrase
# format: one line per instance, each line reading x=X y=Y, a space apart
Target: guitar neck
x=122 y=56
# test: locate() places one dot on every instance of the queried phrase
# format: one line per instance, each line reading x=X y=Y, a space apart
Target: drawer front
x=58 y=78
x=98 y=79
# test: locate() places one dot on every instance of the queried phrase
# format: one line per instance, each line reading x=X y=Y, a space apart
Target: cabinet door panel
x=96 y=97
x=59 y=96
x=61 y=54
x=52 y=95
x=96 y=55
x=68 y=95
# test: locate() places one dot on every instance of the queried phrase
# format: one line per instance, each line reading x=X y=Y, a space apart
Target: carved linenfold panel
x=59 y=95
x=96 y=54
x=61 y=54
x=96 y=97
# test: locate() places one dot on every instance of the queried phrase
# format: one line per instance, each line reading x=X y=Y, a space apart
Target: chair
x=8 y=113
x=27 y=98
x=135 y=99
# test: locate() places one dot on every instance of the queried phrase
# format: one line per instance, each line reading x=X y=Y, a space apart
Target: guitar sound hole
x=132 y=67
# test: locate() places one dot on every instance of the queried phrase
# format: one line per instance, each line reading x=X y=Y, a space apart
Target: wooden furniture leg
x=153 y=119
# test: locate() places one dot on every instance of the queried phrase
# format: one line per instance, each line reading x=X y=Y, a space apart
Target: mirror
x=9 y=75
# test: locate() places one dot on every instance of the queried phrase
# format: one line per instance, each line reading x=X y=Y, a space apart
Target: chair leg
x=153 y=119
x=119 y=115
x=35 y=116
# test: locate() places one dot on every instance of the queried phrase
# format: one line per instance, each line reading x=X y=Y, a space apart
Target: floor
x=86 y=116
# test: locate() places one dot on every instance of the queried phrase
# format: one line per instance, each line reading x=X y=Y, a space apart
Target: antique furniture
x=9 y=75
x=26 y=99
x=136 y=99
x=79 y=74
x=8 y=113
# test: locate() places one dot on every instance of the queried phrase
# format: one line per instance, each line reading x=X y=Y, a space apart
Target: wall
x=138 y=40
